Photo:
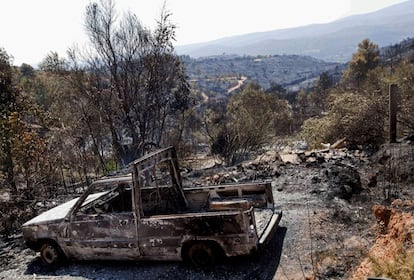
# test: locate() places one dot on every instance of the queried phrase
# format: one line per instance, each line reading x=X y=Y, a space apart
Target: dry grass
x=401 y=268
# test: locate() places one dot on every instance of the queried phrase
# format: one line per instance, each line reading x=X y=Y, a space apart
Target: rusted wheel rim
x=202 y=255
x=49 y=254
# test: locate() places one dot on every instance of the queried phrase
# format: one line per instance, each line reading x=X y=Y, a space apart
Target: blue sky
x=29 y=29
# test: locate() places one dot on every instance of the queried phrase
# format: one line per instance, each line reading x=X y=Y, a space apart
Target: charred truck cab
x=149 y=215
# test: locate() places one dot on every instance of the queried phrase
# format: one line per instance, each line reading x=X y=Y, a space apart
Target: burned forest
x=117 y=162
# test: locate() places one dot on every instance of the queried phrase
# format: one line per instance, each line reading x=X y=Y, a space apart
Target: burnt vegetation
x=87 y=115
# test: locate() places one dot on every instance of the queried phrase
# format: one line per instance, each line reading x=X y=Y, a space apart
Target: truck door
x=103 y=236
x=106 y=229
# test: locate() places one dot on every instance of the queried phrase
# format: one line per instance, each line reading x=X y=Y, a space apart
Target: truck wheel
x=50 y=254
x=202 y=254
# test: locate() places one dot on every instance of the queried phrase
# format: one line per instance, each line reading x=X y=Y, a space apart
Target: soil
x=327 y=227
x=392 y=253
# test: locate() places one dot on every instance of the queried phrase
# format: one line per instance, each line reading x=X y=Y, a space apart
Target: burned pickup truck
x=149 y=215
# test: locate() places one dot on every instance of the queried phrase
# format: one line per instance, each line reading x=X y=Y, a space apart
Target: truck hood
x=52 y=215
x=59 y=212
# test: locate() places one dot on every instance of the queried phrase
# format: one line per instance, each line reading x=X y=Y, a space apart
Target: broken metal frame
x=148 y=163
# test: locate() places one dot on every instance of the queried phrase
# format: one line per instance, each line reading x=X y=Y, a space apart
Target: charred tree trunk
x=393 y=102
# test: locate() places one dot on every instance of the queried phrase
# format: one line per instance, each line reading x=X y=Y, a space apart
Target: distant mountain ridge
x=335 y=41
x=219 y=76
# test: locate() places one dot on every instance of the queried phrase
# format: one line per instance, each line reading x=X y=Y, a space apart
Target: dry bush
x=246 y=123
x=318 y=130
x=351 y=115
x=405 y=75
x=401 y=268
x=13 y=215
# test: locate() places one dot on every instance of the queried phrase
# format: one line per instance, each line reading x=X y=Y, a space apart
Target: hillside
x=220 y=74
x=399 y=51
x=333 y=41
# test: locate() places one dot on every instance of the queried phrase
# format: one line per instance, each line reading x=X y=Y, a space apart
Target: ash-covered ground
x=326 y=230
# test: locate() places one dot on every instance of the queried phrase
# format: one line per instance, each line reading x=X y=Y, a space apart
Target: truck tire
x=50 y=253
x=202 y=254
